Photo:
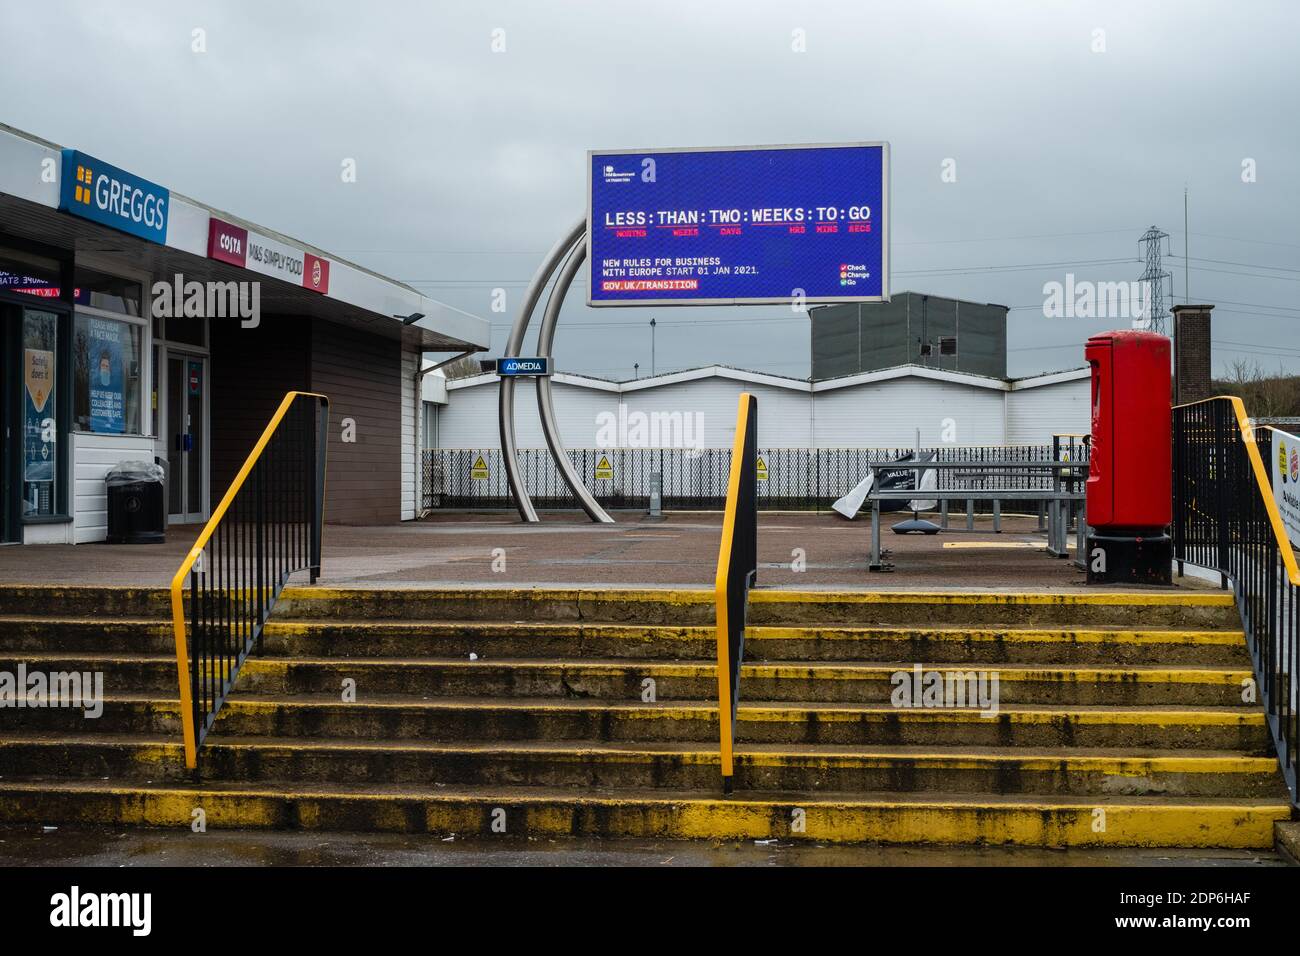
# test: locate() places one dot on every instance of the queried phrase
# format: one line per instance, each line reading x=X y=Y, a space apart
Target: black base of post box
x=1129 y=558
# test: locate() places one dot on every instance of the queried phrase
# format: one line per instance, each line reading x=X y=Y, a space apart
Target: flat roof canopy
x=443 y=329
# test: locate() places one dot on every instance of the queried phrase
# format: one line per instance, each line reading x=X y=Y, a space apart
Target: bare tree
x=1265 y=396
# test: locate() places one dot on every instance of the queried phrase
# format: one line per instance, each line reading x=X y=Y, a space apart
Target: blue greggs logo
x=94 y=190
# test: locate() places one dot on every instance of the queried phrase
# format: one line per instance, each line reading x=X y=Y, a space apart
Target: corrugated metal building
x=878 y=409
x=913 y=328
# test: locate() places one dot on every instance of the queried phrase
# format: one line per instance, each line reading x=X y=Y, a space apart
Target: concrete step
x=762 y=643
x=58 y=600
x=78 y=634
x=684 y=766
x=1163 y=608
x=693 y=680
x=448 y=719
x=939 y=818
x=652 y=606
x=1192 y=609
x=575 y=641
x=765 y=682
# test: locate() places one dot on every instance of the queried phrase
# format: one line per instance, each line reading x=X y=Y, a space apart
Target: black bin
x=136 y=503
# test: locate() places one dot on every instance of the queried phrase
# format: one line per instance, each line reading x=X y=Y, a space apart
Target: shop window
x=28 y=274
x=430 y=425
x=106 y=375
x=188 y=331
x=108 y=293
x=40 y=413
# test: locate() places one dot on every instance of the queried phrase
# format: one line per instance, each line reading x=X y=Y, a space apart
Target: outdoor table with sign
x=1067 y=479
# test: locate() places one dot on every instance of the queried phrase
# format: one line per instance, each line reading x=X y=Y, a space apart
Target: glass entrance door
x=186 y=393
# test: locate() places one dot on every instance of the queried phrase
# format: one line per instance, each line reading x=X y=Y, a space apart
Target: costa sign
x=257 y=253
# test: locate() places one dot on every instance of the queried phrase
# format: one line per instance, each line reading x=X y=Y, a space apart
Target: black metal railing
x=1226 y=519
x=797 y=479
x=266 y=528
x=737 y=573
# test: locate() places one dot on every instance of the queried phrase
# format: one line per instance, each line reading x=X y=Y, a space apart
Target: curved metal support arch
x=573 y=245
x=545 y=406
x=506 y=401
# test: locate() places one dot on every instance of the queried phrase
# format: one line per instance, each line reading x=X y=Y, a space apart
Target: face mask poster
x=107 y=395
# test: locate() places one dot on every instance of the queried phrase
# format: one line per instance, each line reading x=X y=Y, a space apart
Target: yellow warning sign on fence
x=760 y=467
x=604 y=469
x=479 y=470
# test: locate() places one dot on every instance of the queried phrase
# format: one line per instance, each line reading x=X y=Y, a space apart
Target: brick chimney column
x=1191 y=353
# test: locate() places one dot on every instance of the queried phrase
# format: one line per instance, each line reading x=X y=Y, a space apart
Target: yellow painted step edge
x=966 y=821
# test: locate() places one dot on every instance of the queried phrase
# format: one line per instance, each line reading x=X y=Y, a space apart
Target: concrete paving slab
x=495 y=549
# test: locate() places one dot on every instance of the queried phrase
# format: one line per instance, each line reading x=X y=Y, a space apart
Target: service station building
x=137 y=324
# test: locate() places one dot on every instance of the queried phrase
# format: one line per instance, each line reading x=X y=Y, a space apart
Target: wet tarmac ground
x=116 y=847
x=681 y=549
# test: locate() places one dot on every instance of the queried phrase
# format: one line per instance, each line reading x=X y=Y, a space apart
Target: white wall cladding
x=1035 y=414
x=470 y=418
x=887 y=414
x=877 y=410
x=94 y=456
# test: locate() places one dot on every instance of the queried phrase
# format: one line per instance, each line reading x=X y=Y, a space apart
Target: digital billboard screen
x=728 y=226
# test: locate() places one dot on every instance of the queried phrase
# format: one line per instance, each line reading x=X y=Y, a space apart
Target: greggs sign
x=250 y=250
x=94 y=190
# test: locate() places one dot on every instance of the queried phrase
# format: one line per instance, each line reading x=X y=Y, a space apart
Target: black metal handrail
x=737 y=573
x=267 y=527
x=1226 y=519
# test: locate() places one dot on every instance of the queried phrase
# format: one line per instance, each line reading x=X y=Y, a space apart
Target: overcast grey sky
x=470 y=162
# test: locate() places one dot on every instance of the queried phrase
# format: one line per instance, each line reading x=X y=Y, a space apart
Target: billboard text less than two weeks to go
x=754 y=225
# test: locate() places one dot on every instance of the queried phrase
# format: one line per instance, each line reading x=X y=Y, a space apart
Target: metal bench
x=1065 y=477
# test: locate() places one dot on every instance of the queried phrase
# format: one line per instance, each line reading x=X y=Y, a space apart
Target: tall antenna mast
x=1154 y=276
x=1187 y=238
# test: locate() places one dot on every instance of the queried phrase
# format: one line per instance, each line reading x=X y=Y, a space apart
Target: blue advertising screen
x=760 y=225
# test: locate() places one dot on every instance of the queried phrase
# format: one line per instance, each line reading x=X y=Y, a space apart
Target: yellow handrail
x=189 y=731
x=1261 y=480
x=720 y=586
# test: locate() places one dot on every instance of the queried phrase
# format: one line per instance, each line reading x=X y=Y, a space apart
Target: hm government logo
x=613 y=175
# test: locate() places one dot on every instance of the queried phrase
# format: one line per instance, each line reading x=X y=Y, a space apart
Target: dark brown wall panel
x=251 y=371
x=361 y=374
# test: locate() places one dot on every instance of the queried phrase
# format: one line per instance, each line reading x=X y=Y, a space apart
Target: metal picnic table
x=1066 y=477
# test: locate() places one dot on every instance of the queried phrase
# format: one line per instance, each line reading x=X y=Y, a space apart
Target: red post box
x=1130 y=474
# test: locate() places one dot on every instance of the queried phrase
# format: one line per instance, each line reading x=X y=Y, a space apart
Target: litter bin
x=136 y=503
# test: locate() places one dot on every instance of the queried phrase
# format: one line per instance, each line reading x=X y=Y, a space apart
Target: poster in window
x=107 y=385
x=38 y=419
